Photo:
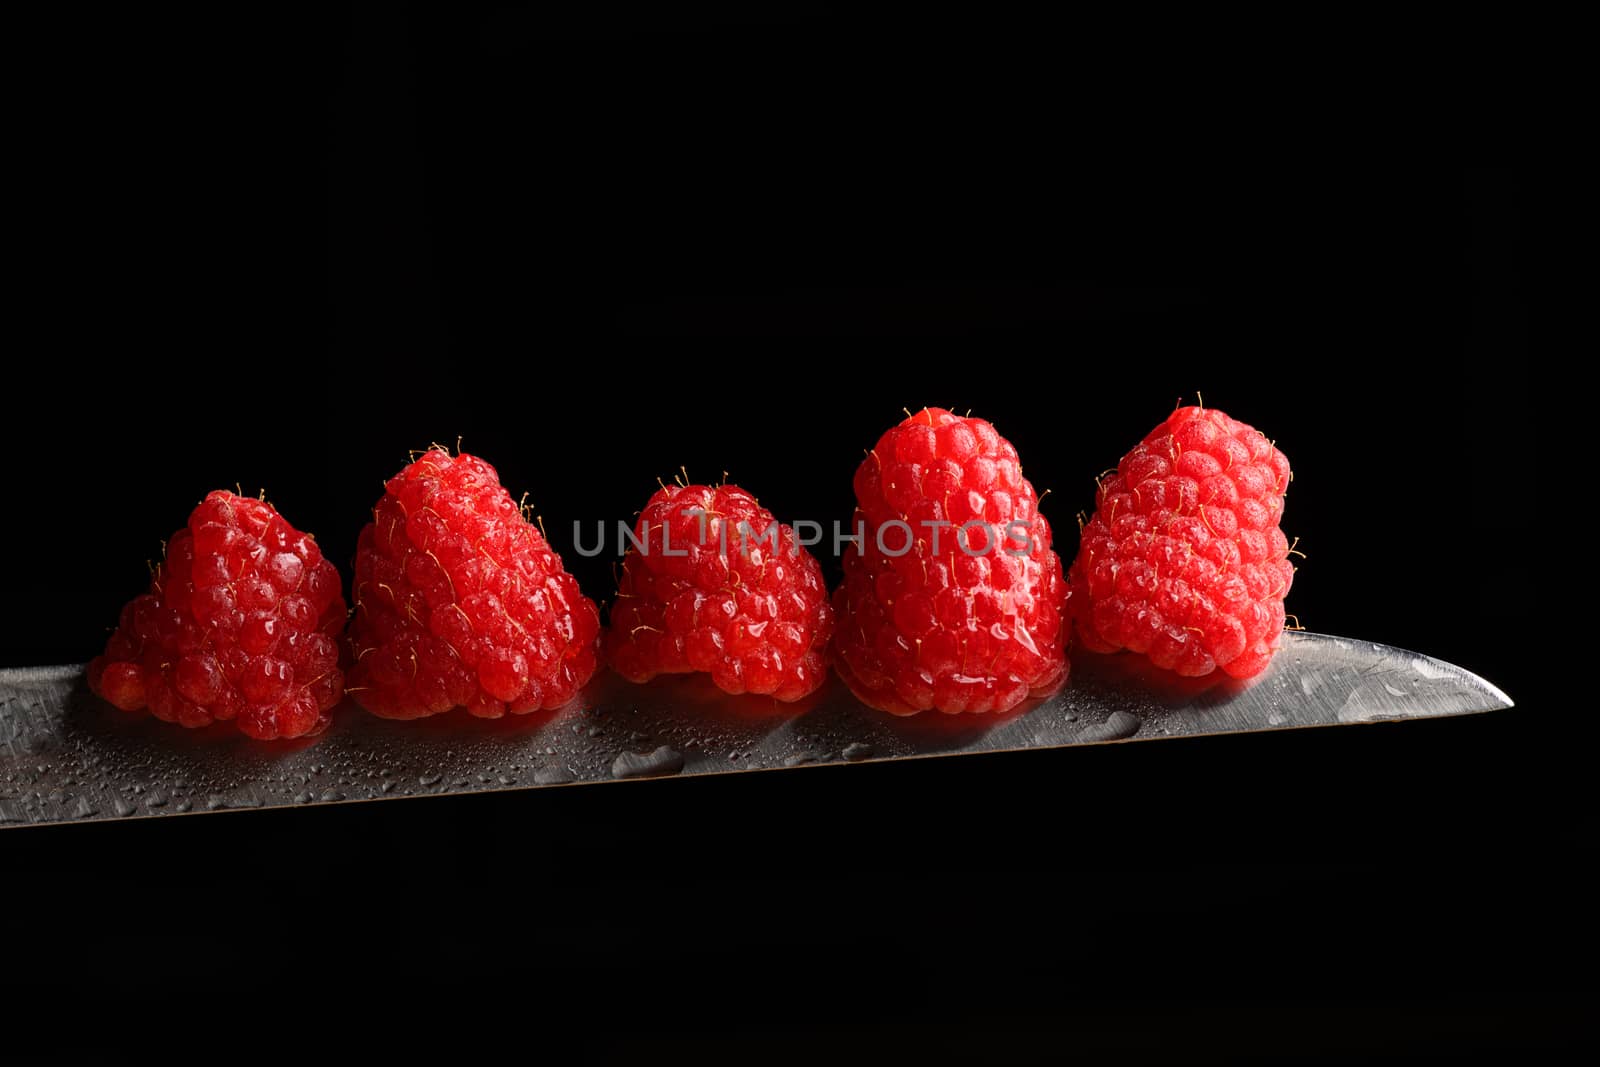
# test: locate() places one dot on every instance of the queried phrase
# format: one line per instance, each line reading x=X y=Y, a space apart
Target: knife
x=67 y=756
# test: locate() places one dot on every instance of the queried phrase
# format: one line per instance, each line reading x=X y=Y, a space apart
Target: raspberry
x=241 y=622
x=1183 y=560
x=970 y=615
x=720 y=586
x=460 y=602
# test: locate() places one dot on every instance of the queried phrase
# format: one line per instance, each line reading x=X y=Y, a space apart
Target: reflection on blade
x=66 y=756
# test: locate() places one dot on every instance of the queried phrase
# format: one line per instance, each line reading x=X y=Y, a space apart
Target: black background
x=596 y=248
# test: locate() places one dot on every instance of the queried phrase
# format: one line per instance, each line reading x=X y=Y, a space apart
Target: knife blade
x=67 y=756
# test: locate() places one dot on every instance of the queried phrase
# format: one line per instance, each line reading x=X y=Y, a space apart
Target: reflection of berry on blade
x=241 y=622
x=955 y=600
x=460 y=601
x=720 y=586
x=1184 y=560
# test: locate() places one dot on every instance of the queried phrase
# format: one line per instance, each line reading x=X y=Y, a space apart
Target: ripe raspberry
x=970 y=616
x=241 y=622
x=720 y=586
x=1183 y=560
x=459 y=601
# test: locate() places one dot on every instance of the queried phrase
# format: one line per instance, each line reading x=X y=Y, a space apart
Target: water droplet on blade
x=663 y=761
x=1119 y=725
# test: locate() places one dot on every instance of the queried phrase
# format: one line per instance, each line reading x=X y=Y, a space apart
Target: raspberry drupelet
x=1184 y=560
x=460 y=601
x=954 y=599
x=241 y=623
x=719 y=586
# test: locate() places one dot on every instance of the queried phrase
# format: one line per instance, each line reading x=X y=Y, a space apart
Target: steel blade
x=66 y=756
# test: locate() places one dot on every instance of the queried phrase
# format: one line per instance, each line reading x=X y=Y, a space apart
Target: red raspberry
x=459 y=601
x=1183 y=560
x=959 y=621
x=720 y=586
x=241 y=622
